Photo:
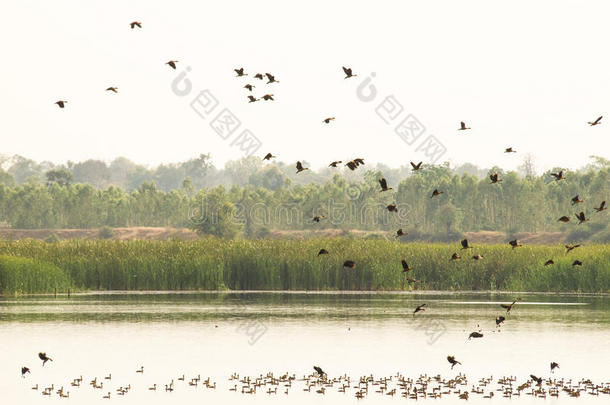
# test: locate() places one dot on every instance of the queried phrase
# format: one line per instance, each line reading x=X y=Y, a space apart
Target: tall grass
x=19 y=275
x=294 y=265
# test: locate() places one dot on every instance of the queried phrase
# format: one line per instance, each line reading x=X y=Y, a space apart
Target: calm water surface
x=217 y=334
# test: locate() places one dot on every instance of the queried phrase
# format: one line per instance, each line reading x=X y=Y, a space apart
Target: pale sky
x=526 y=74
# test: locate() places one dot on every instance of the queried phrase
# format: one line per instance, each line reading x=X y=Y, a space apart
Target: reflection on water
x=218 y=334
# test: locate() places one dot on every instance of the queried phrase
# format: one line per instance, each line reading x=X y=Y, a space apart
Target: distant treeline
x=212 y=264
x=269 y=199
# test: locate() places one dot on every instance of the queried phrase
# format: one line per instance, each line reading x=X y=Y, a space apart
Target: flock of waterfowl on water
x=422 y=387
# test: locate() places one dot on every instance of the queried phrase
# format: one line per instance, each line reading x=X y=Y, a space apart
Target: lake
x=218 y=336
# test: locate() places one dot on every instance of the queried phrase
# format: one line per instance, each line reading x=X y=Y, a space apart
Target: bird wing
x=299 y=166
x=598 y=120
x=465 y=243
x=347 y=71
x=383 y=183
x=463 y=125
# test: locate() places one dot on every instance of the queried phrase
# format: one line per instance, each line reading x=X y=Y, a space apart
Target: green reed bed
x=214 y=264
x=20 y=275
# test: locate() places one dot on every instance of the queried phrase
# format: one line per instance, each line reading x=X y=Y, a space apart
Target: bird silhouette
x=269 y=156
x=537 y=379
x=335 y=163
x=44 y=358
x=420 y=308
x=453 y=361
x=352 y=165
x=514 y=244
x=476 y=335
x=319 y=370
x=405 y=266
x=508 y=307
x=436 y=192
x=558 y=176
x=581 y=217
x=554 y=365
x=576 y=263
x=113 y=89
x=172 y=63
x=249 y=87
x=597 y=121
x=494 y=178
x=392 y=208
x=252 y=99
x=135 y=24
x=576 y=200
x=349 y=263
x=569 y=248
x=318 y=218
x=601 y=207
x=465 y=244
x=271 y=78
x=328 y=120
x=499 y=320
x=24 y=371
x=509 y=150
x=478 y=256
x=348 y=72
x=322 y=252
x=359 y=161
x=300 y=167
x=400 y=233
x=61 y=103
x=416 y=166
x=463 y=126
x=455 y=256
x=268 y=97
x=384 y=185
x=240 y=72
x=564 y=219
x=549 y=262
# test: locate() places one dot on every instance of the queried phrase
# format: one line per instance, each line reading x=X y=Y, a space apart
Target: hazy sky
x=526 y=74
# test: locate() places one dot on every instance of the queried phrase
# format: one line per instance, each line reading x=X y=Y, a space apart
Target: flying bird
x=569 y=248
x=240 y=72
x=113 y=89
x=420 y=308
x=581 y=217
x=549 y=262
x=400 y=233
x=300 y=167
x=258 y=76
x=349 y=263
x=335 y=163
x=601 y=207
x=475 y=335
x=508 y=307
x=416 y=166
x=392 y=208
x=499 y=320
x=514 y=244
x=352 y=165
x=318 y=218
x=44 y=358
x=135 y=24
x=576 y=263
x=359 y=161
x=463 y=126
x=478 y=256
x=537 y=379
x=267 y=97
x=576 y=200
x=597 y=121
x=348 y=72
x=405 y=266
x=554 y=366
x=564 y=219
x=24 y=371
x=252 y=99
x=453 y=361
x=455 y=256
x=249 y=87
x=465 y=244
x=269 y=156
x=494 y=178
x=319 y=370
x=384 y=185
x=61 y=103
x=328 y=120
x=509 y=150
x=271 y=78
x=172 y=63
x=558 y=176
x=436 y=192
x=322 y=252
